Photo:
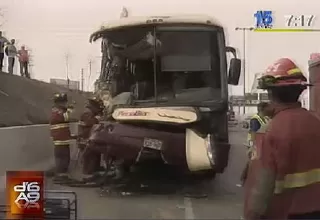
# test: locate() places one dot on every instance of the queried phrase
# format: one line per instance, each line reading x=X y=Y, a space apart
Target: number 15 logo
x=263 y=19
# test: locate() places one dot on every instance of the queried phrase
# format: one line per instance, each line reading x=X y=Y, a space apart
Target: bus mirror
x=234 y=71
x=231 y=50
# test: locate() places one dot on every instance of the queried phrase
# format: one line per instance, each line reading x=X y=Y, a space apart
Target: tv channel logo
x=25 y=194
x=264 y=19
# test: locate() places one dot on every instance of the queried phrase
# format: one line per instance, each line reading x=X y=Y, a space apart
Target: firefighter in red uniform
x=284 y=176
x=60 y=133
x=91 y=116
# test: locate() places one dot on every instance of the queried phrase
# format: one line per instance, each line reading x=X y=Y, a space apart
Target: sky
x=52 y=29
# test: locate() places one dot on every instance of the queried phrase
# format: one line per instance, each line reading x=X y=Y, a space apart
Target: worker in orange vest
x=284 y=175
x=61 y=136
x=91 y=158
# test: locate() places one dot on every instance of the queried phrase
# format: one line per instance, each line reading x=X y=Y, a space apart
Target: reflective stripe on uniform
x=262 y=122
x=263 y=125
x=58 y=126
x=82 y=123
x=82 y=141
x=66 y=142
x=66 y=116
x=249 y=137
x=62 y=174
x=297 y=180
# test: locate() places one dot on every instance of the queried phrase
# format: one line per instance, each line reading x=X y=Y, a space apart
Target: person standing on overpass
x=24 y=61
x=61 y=136
x=284 y=175
x=3 y=41
x=11 y=52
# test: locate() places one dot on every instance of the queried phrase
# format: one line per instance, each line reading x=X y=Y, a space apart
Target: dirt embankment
x=26 y=102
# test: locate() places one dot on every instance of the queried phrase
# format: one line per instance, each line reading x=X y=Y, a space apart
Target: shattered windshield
x=166 y=65
x=188 y=66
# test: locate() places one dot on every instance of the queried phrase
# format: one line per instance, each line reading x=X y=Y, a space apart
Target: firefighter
x=284 y=176
x=61 y=135
x=90 y=117
x=258 y=123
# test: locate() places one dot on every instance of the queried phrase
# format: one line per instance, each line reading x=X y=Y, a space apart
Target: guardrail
x=26 y=148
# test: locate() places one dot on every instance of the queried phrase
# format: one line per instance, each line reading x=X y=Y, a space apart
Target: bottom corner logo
x=25 y=194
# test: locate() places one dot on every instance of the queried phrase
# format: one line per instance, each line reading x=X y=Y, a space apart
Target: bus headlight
x=210 y=149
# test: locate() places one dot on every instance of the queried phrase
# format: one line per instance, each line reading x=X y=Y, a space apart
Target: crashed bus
x=164 y=81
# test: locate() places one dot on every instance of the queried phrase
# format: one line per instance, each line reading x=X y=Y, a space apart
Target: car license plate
x=152 y=143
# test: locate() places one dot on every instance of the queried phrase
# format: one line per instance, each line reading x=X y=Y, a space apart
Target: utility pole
x=90 y=67
x=30 y=62
x=244 y=29
x=82 y=80
x=67 y=69
x=90 y=71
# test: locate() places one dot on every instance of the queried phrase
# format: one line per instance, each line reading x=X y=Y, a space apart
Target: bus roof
x=151 y=20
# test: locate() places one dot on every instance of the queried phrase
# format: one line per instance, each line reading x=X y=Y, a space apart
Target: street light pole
x=82 y=80
x=67 y=69
x=90 y=67
x=244 y=29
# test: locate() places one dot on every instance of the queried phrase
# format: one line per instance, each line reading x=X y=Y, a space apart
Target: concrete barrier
x=27 y=148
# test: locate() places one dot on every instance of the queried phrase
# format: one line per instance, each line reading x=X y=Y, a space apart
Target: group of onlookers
x=9 y=49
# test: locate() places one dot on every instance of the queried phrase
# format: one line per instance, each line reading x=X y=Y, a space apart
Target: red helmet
x=283 y=72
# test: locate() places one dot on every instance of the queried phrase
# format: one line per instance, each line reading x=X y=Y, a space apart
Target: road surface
x=224 y=199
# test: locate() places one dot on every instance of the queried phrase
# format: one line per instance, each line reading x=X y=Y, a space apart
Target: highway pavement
x=224 y=198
